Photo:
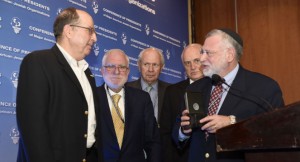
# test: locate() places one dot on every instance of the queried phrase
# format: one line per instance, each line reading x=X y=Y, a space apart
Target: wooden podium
x=268 y=137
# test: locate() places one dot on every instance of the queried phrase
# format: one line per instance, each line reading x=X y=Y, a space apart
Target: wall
x=271 y=34
x=131 y=25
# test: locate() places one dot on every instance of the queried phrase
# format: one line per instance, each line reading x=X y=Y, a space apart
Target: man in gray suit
x=150 y=63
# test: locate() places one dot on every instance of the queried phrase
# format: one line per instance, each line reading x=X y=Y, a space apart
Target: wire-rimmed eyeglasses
x=90 y=29
x=208 y=52
x=114 y=67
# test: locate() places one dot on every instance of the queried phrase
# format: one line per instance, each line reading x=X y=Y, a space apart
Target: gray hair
x=114 y=50
x=162 y=60
x=188 y=46
x=228 y=41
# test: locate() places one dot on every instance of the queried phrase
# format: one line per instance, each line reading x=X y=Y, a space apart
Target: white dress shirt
x=78 y=68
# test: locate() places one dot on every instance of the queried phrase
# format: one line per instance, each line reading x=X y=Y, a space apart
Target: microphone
x=217 y=79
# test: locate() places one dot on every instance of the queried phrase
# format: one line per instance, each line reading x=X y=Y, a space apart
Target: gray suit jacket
x=161 y=92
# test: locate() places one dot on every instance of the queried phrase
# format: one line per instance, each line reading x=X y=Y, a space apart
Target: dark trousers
x=91 y=154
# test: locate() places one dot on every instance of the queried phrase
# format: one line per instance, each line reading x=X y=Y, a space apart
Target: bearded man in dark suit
x=220 y=55
x=128 y=126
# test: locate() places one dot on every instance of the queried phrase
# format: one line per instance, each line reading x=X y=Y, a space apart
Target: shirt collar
x=112 y=92
x=144 y=84
x=191 y=81
x=81 y=64
x=231 y=75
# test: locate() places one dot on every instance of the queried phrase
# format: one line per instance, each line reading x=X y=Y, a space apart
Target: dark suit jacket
x=141 y=131
x=51 y=109
x=161 y=92
x=242 y=105
x=174 y=95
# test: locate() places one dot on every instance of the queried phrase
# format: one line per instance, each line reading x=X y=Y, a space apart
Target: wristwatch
x=232 y=119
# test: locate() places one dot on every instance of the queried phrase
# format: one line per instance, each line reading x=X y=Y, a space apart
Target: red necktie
x=215 y=99
x=214 y=102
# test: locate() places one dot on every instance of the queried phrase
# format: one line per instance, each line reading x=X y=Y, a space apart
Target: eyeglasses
x=91 y=30
x=195 y=61
x=114 y=67
x=154 y=65
x=208 y=52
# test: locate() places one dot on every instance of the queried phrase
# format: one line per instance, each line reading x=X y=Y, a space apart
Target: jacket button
x=86 y=112
x=85 y=135
x=206 y=155
x=83 y=160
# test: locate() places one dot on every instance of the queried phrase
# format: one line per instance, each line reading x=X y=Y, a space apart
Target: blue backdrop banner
x=131 y=25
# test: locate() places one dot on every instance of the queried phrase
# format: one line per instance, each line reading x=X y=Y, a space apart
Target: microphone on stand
x=217 y=79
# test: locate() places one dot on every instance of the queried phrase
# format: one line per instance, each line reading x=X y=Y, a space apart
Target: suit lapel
x=127 y=111
x=231 y=100
x=65 y=65
x=160 y=99
x=138 y=84
x=106 y=113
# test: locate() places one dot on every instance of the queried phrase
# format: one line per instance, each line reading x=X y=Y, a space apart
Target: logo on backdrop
x=183 y=44
x=95 y=6
x=14 y=135
x=14 y=78
x=16 y=24
x=168 y=54
x=58 y=11
x=96 y=49
x=124 y=38
x=147 y=29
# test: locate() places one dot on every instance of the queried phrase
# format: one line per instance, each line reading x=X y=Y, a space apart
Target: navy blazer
x=174 y=96
x=51 y=109
x=161 y=92
x=242 y=105
x=141 y=131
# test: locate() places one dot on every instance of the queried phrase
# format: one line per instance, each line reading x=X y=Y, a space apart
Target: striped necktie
x=118 y=123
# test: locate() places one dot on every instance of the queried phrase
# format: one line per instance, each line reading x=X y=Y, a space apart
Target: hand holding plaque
x=194 y=103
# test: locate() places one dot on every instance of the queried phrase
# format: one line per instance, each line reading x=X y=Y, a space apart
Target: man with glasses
x=56 y=103
x=245 y=94
x=129 y=131
x=190 y=58
x=150 y=63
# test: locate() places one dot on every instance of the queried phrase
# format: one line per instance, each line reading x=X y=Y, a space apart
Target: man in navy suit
x=130 y=134
x=250 y=94
x=56 y=108
x=190 y=58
